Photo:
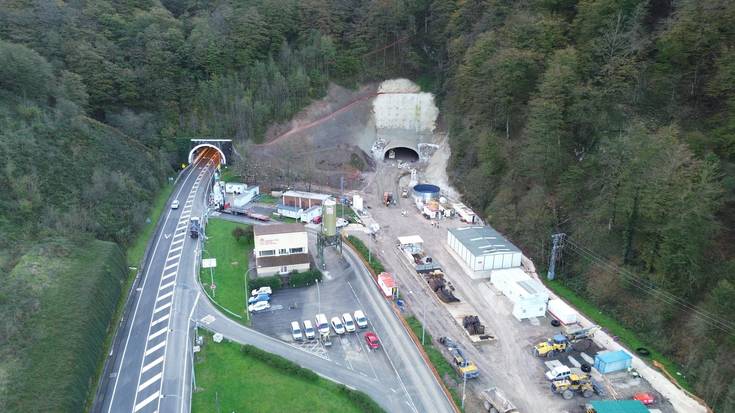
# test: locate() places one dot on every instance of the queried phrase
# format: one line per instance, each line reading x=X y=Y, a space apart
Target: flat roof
x=280 y=260
x=483 y=240
x=618 y=406
x=278 y=229
x=308 y=195
x=410 y=239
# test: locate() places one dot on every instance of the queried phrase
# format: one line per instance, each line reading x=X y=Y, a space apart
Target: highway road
x=149 y=368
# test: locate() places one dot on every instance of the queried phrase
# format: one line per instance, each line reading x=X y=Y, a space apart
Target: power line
x=651 y=289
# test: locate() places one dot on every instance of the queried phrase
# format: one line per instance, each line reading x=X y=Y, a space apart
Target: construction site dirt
x=507 y=360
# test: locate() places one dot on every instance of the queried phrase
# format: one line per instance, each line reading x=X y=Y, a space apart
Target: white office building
x=281 y=249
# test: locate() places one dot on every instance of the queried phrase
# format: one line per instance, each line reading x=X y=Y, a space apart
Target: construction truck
x=194 y=227
x=388 y=198
x=495 y=402
x=404 y=192
x=466 y=368
x=564 y=342
x=578 y=382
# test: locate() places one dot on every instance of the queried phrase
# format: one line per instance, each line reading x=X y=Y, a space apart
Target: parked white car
x=296 y=331
x=262 y=290
x=558 y=373
x=360 y=319
x=337 y=325
x=322 y=324
x=341 y=222
x=175 y=204
x=259 y=306
x=309 y=330
x=349 y=324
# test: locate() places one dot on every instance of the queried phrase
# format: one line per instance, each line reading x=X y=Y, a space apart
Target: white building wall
x=278 y=242
x=268 y=271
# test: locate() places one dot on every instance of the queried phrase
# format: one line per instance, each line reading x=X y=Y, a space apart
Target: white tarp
x=410 y=239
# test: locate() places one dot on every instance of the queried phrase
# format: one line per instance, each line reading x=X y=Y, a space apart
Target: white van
x=296 y=331
x=349 y=324
x=309 y=330
x=322 y=324
x=558 y=373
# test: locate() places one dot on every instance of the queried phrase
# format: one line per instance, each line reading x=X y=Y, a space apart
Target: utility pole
x=319 y=298
x=342 y=193
x=556 y=247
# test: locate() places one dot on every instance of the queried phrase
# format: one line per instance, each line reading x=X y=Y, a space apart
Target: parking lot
x=344 y=289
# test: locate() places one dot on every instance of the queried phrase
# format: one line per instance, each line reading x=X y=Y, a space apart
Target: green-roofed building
x=618 y=406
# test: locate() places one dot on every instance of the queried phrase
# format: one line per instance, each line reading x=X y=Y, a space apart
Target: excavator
x=564 y=342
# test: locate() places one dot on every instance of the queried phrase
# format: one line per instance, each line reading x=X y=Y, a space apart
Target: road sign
x=209 y=262
x=213 y=286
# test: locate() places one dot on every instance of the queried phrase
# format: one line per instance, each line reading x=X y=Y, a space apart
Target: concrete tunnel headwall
x=223 y=146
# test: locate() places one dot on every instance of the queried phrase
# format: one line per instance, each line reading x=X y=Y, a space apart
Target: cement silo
x=329 y=218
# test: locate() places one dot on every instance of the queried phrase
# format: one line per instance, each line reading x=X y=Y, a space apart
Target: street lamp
x=423 y=317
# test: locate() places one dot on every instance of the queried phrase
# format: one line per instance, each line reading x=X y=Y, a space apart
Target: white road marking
x=157 y=333
x=152 y=364
x=154 y=348
x=170 y=266
x=150 y=381
x=173 y=258
x=181 y=241
x=164 y=318
x=168 y=275
x=163 y=307
x=163 y=287
x=179 y=248
x=165 y=296
x=148 y=399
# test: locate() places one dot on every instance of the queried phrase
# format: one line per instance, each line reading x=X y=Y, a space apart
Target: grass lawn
x=363 y=250
x=229 y=175
x=613 y=327
x=229 y=380
x=232 y=263
x=442 y=366
x=348 y=213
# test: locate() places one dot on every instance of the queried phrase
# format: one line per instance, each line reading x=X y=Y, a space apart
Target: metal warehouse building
x=483 y=248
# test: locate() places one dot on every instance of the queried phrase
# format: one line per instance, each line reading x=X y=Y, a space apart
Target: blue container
x=612 y=361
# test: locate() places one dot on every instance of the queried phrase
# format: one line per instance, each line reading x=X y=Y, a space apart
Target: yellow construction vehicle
x=562 y=343
x=579 y=383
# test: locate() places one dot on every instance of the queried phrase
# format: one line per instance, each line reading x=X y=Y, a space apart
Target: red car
x=645 y=398
x=372 y=340
x=317 y=220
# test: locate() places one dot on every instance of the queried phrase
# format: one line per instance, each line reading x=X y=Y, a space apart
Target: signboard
x=209 y=262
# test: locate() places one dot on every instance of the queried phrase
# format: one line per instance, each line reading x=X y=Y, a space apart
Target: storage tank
x=426 y=192
x=329 y=217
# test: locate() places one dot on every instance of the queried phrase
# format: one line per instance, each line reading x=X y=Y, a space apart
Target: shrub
x=361 y=400
x=363 y=250
x=304 y=278
x=274 y=282
x=245 y=233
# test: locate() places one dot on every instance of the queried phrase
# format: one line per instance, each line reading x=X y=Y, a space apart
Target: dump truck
x=194 y=227
x=464 y=366
x=579 y=383
x=494 y=401
x=564 y=342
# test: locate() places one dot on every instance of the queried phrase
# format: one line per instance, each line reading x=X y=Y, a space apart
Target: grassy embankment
x=232 y=263
x=442 y=366
x=625 y=336
x=57 y=304
x=233 y=378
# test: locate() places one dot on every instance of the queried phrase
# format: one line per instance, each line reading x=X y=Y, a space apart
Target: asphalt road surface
x=147 y=368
